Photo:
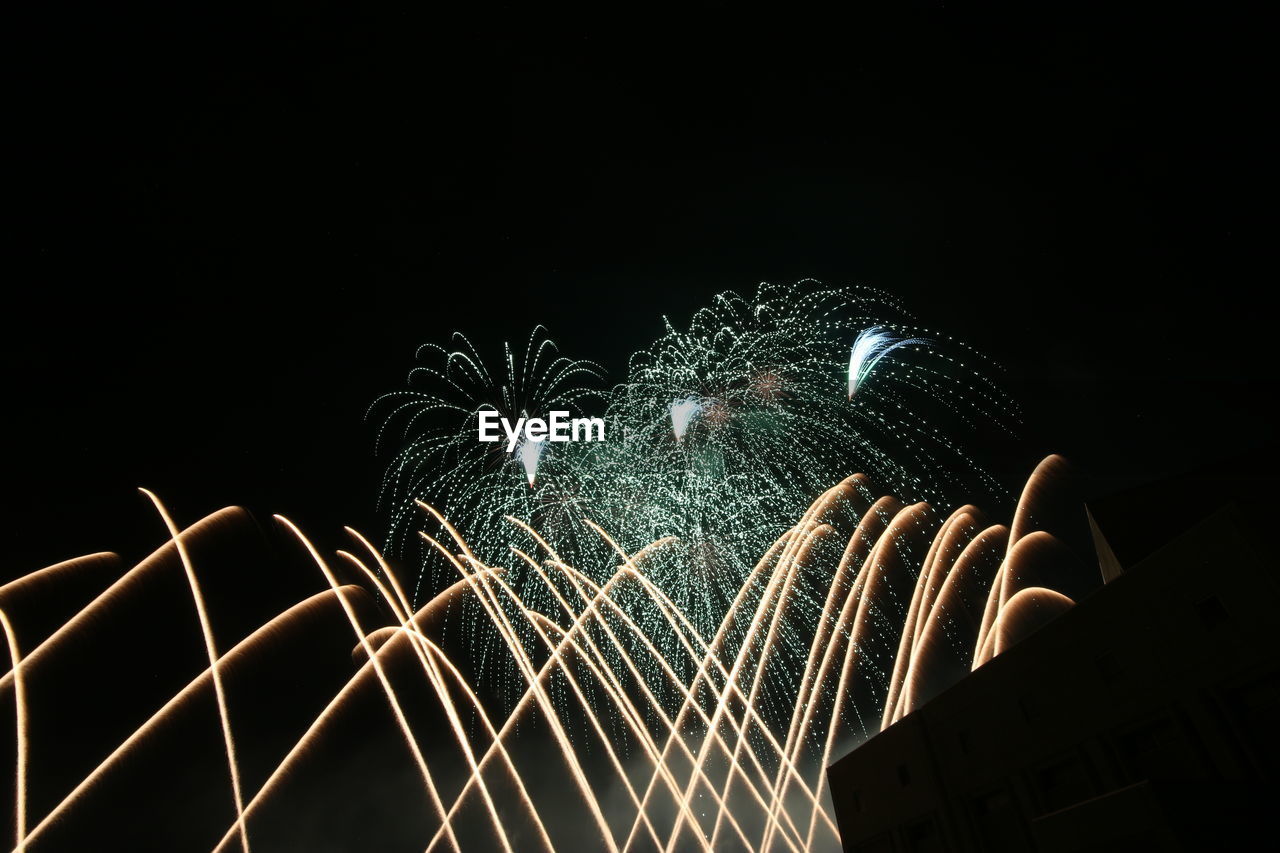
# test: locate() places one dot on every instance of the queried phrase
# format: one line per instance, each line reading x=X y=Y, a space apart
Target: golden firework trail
x=664 y=738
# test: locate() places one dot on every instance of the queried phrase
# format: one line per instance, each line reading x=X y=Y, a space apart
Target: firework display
x=719 y=435
x=655 y=580
x=642 y=756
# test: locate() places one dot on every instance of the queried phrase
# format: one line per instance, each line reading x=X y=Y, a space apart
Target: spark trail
x=706 y=741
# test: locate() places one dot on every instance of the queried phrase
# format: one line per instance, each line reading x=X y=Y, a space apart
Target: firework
x=711 y=759
x=683 y=411
x=720 y=434
x=439 y=459
x=869 y=347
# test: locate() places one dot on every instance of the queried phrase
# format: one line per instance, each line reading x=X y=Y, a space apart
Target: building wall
x=1146 y=715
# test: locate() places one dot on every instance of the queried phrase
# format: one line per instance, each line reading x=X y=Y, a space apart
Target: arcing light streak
x=253 y=644
x=432 y=664
x=492 y=606
x=744 y=653
x=206 y=631
x=730 y=760
x=390 y=692
x=869 y=348
x=20 y=727
x=804 y=700
x=422 y=648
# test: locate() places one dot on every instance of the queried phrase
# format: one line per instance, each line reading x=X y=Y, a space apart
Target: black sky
x=227 y=232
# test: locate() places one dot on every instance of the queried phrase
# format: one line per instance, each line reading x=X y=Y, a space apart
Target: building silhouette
x=1143 y=718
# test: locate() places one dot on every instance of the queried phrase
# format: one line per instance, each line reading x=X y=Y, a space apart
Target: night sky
x=226 y=233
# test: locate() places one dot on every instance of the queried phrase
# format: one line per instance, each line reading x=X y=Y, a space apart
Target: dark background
x=227 y=232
